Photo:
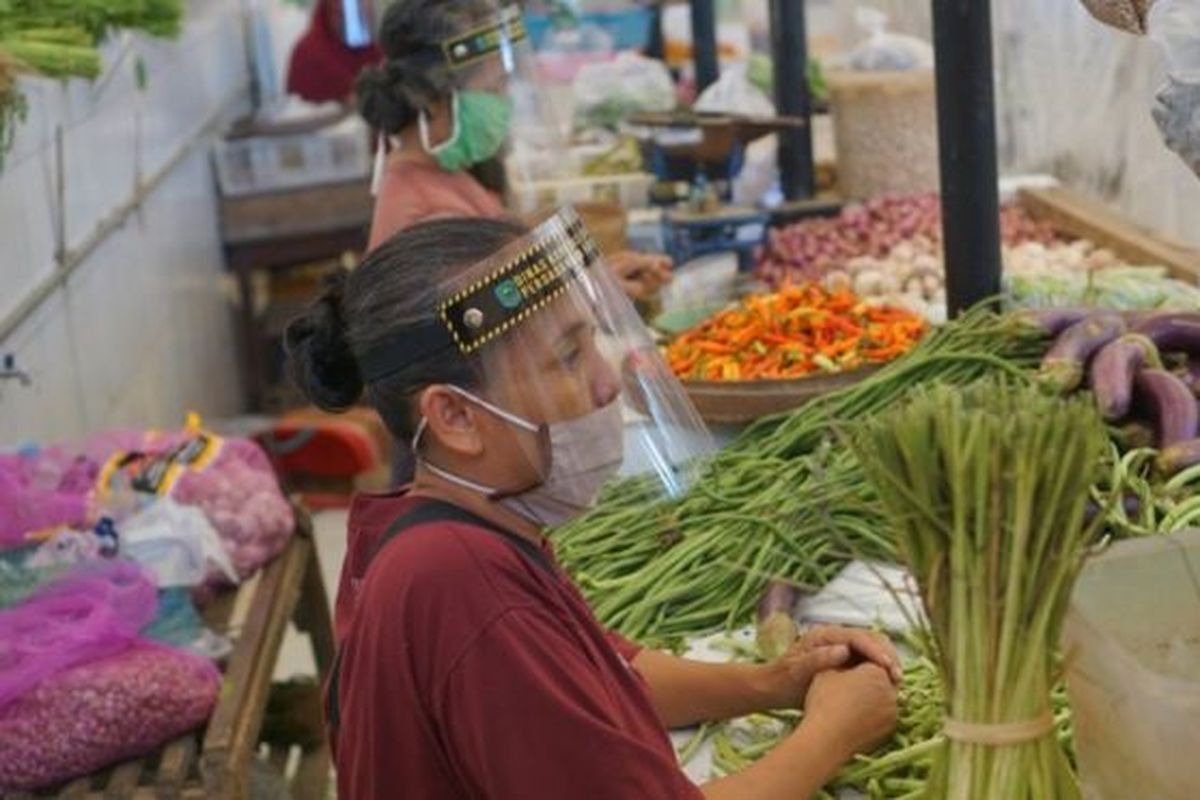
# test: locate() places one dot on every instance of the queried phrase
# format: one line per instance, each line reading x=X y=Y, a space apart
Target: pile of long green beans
x=1140 y=502
x=786 y=500
x=986 y=491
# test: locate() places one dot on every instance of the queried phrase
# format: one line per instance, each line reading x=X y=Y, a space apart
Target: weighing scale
x=696 y=158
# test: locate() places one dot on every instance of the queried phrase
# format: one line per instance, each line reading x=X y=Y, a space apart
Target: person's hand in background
x=641 y=275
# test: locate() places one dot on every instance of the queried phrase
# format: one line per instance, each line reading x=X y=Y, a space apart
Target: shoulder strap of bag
x=430 y=511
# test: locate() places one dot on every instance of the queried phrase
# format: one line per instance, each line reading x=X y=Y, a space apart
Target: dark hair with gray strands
x=414 y=74
x=394 y=288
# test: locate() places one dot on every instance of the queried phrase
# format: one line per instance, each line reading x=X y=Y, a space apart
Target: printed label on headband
x=485 y=41
x=492 y=306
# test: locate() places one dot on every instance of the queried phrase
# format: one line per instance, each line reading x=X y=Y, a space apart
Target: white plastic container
x=1132 y=646
x=269 y=163
x=627 y=191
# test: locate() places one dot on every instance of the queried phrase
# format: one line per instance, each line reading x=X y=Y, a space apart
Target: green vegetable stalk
x=986 y=490
x=12 y=105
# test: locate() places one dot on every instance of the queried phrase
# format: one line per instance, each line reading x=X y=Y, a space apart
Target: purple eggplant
x=1169 y=404
x=1063 y=366
x=1113 y=369
x=776 y=629
x=1050 y=321
x=1179 y=456
x=1179 y=331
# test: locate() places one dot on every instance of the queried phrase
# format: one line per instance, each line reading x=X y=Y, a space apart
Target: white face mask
x=584 y=453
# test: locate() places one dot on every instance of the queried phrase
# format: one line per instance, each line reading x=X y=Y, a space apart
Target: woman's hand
x=855 y=707
x=641 y=275
x=826 y=648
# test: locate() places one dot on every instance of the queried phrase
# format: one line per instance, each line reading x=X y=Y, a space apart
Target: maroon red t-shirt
x=469 y=671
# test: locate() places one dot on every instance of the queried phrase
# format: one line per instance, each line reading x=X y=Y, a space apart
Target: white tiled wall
x=143 y=330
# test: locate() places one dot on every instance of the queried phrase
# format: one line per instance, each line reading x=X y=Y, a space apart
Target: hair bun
x=320 y=360
x=381 y=99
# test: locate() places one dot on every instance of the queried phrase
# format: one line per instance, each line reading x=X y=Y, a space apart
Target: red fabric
x=414 y=192
x=322 y=68
x=469 y=672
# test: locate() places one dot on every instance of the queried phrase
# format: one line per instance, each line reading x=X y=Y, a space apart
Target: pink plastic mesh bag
x=25 y=507
x=87 y=615
x=96 y=714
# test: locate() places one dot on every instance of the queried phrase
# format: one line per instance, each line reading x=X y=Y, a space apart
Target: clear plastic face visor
x=556 y=344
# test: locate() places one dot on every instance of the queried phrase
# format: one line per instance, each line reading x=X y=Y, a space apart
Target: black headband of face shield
x=412 y=345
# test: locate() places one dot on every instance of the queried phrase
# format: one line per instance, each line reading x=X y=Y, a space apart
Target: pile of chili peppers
x=792 y=333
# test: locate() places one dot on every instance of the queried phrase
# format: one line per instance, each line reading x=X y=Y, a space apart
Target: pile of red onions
x=808 y=250
x=102 y=712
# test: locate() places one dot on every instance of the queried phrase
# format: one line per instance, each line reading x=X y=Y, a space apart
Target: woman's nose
x=606 y=384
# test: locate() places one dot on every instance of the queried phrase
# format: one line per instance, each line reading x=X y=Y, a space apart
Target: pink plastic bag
x=86 y=615
x=96 y=714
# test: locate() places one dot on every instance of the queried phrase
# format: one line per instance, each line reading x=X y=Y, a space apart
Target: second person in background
x=454 y=90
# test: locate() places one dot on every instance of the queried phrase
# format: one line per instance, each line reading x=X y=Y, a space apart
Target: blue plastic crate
x=630 y=29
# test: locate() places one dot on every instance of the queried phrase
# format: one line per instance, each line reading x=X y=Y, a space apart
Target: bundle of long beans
x=986 y=490
x=781 y=501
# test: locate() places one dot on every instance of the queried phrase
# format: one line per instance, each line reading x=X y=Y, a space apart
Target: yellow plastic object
x=1132 y=644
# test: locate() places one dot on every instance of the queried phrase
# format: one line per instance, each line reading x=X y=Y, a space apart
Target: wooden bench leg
x=313 y=617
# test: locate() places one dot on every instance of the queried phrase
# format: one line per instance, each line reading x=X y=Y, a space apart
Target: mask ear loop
x=383 y=145
x=423 y=125
x=487 y=491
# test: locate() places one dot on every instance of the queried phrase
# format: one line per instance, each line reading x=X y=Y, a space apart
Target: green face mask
x=481 y=125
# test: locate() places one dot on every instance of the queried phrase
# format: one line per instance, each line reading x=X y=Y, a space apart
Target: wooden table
x=215 y=762
x=278 y=231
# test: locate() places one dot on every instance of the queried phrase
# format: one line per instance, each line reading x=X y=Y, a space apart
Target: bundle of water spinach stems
x=799 y=495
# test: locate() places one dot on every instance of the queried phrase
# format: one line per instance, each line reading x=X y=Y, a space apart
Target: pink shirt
x=414 y=192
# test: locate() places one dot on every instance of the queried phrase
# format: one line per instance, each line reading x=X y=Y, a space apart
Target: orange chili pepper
x=794 y=332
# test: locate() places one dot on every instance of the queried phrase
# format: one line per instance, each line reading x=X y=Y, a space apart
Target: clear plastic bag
x=88 y=614
x=177 y=543
x=1175 y=26
x=606 y=93
x=733 y=93
x=1131 y=642
x=102 y=712
x=178 y=624
x=884 y=51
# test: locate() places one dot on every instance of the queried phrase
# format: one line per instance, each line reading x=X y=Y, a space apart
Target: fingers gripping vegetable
x=1113 y=371
x=1063 y=367
x=1170 y=403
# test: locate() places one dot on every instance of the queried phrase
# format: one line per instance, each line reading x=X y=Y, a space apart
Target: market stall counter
x=216 y=762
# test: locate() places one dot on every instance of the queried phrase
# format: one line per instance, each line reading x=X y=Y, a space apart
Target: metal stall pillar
x=789 y=51
x=962 y=35
x=704 y=43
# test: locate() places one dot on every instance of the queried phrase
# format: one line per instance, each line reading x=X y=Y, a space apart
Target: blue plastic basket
x=630 y=29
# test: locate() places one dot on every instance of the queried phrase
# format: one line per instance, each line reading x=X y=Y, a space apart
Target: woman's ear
x=451 y=421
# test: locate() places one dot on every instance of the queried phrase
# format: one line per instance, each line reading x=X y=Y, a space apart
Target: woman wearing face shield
x=455 y=85
x=469 y=665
